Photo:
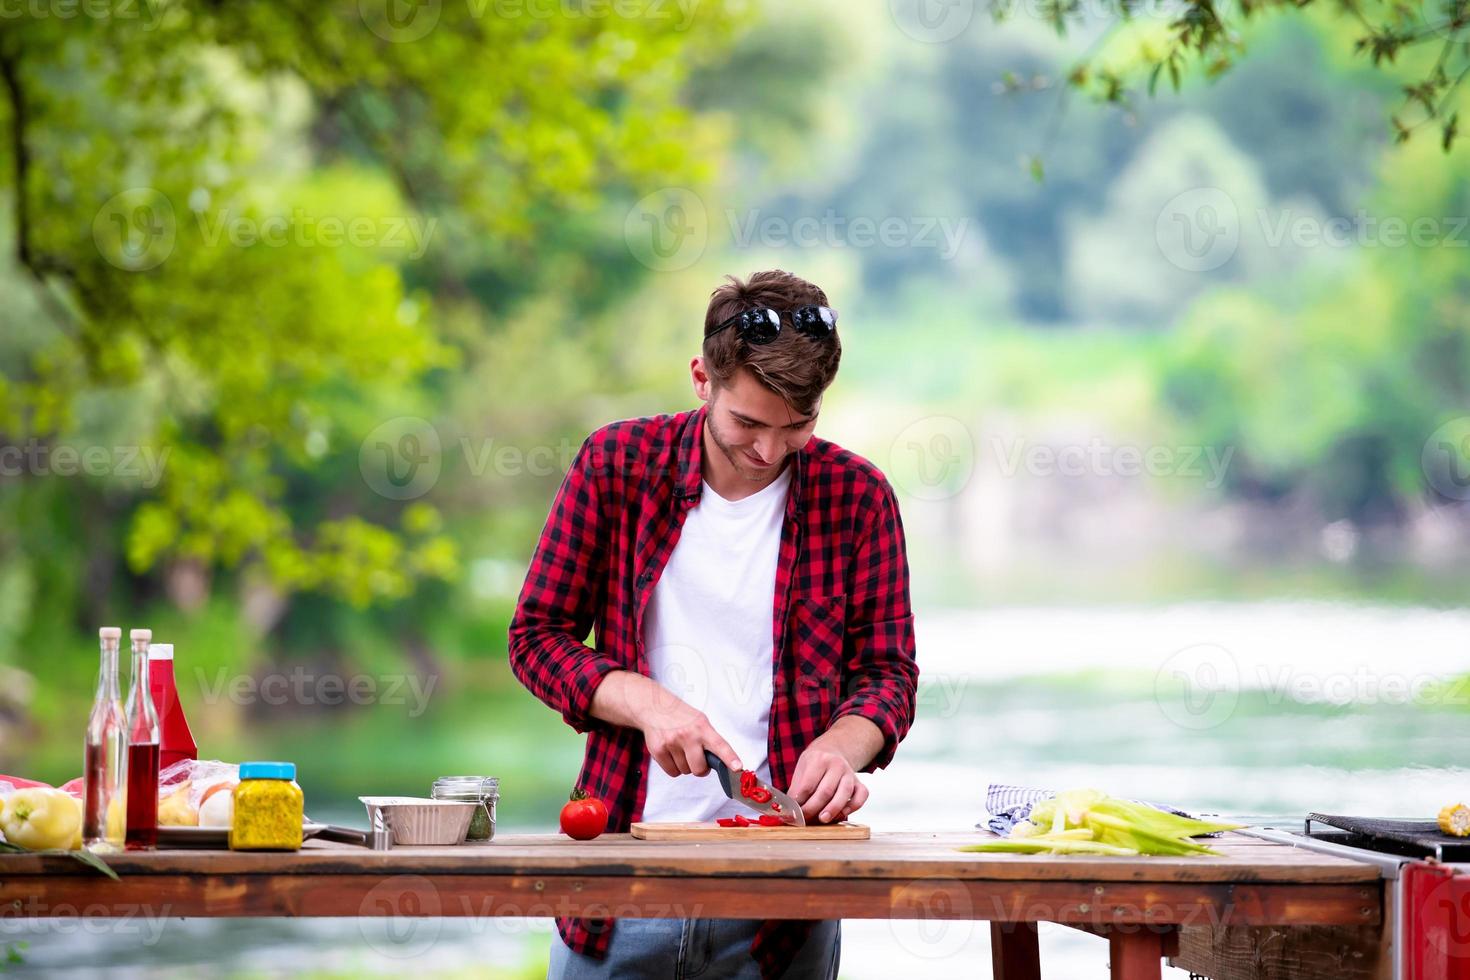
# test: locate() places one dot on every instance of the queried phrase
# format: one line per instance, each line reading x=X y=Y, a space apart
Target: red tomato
x=583 y=817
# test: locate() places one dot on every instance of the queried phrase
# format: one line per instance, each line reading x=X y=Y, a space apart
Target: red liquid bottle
x=142 y=808
x=177 y=742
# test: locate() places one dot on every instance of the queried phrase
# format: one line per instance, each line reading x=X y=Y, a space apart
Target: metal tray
x=177 y=838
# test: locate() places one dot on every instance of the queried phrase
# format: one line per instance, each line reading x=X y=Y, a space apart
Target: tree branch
x=37 y=264
x=21 y=154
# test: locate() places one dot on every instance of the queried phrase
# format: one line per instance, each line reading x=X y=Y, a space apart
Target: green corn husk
x=1024 y=828
x=1030 y=845
x=1160 y=821
x=1088 y=821
x=1072 y=804
x=1080 y=833
x=1112 y=830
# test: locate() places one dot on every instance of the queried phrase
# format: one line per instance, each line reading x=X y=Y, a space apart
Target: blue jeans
x=697 y=949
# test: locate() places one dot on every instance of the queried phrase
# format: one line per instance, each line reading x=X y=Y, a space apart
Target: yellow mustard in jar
x=268 y=808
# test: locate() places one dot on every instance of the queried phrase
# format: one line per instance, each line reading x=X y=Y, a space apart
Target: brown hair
x=793 y=366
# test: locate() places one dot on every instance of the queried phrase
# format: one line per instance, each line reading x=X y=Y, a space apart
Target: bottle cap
x=160 y=651
x=140 y=634
x=267 y=770
x=110 y=633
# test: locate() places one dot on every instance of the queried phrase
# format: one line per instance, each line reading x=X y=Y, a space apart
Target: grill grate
x=1410 y=838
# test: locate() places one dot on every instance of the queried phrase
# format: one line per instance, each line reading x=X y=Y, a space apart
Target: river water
x=1262 y=710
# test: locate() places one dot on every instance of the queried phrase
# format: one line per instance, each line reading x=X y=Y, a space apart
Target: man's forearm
x=625 y=697
x=853 y=737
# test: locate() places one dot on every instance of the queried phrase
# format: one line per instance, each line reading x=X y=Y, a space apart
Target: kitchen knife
x=789 y=811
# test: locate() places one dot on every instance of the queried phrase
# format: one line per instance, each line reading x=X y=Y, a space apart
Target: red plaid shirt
x=843 y=627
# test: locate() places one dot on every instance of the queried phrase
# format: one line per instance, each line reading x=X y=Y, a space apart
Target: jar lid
x=267 y=770
x=484 y=786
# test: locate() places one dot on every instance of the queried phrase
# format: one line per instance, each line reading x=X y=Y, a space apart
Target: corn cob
x=1091 y=822
x=1455 y=820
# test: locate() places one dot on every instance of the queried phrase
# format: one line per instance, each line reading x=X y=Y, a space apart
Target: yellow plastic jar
x=268 y=808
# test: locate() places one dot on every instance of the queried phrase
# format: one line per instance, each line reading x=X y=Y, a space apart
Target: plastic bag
x=201 y=775
x=183 y=789
x=9 y=784
x=186 y=786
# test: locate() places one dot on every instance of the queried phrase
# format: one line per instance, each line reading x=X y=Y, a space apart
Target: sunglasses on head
x=763 y=324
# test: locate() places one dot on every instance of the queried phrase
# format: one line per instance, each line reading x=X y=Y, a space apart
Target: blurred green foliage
x=1142 y=44
x=152 y=161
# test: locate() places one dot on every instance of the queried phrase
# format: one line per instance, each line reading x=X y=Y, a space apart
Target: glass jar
x=484 y=790
x=268 y=808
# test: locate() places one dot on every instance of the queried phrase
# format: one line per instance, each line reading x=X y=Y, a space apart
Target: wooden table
x=1143 y=906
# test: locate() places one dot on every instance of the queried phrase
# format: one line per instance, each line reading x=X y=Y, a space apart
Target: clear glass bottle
x=104 y=766
x=142 y=808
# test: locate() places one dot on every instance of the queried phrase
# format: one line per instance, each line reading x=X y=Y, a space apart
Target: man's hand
x=676 y=732
x=825 y=782
x=826 y=785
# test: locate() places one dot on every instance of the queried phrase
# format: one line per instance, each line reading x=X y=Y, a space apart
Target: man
x=750 y=593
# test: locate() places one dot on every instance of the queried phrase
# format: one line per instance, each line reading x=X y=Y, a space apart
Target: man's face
x=752 y=425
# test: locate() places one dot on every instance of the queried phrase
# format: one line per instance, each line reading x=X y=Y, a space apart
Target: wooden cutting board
x=712 y=831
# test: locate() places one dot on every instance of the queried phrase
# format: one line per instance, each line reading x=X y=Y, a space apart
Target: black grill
x=1408 y=838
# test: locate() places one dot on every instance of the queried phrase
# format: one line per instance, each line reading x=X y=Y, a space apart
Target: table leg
x=1014 y=953
x=1136 y=955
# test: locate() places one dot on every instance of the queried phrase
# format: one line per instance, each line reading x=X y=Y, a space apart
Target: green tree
x=1144 y=43
x=239 y=234
x=1331 y=390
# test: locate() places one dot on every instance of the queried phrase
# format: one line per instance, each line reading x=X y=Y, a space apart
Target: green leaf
x=84 y=856
x=93 y=861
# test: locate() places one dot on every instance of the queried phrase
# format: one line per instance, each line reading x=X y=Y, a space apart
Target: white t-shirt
x=707 y=631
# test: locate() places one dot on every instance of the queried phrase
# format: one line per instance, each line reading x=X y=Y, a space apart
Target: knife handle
x=723 y=771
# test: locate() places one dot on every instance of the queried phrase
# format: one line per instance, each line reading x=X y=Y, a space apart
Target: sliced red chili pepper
x=769 y=820
x=726 y=822
x=750 y=790
x=776 y=807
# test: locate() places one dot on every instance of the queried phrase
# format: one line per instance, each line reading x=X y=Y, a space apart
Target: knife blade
x=788 y=810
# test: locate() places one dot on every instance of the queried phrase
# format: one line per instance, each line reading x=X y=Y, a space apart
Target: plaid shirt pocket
x=817 y=631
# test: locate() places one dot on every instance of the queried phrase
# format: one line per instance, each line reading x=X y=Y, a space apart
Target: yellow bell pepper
x=40 y=819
